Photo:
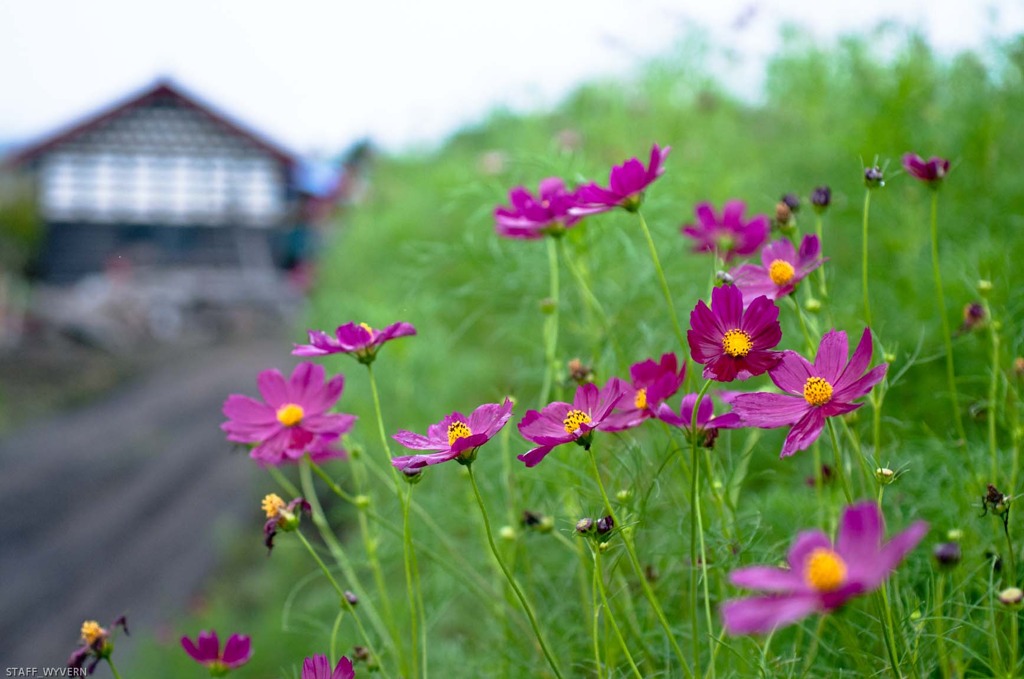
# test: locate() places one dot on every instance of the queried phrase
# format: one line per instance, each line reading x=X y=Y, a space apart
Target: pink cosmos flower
x=782 y=268
x=206 y=651
x=733 y=343
x=292 y=419
x=531 y=217
x=454 y=437
x=813 y=392
x=358 y=339
x=560 y=422
x=652 y=384
x=932 y=171
x=627 y=184
x=318 y=667
x=708 y=423
x=728 y=235
x=821 y=575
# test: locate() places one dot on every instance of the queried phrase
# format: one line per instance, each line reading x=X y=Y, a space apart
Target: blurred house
x=163 y=180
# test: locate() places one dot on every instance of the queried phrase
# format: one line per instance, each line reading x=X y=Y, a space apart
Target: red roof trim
x=160 y=88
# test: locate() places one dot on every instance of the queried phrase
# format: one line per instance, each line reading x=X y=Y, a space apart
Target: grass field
x=422 y=249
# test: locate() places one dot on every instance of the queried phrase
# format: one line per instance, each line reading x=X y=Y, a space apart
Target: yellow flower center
x=826 y=570
x=781 y=272
x=573 y=420
x=736 y=343
x=817 y=391
x=366 y=327
x=91 y=631
x=290 y=414
x=458 y=430
x=641 y=399
x=272 y=504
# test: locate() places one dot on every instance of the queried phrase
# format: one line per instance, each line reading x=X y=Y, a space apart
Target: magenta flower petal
x=455 y=437
x=237 y=651
x=530 y=217
x=822 y=576
x=805 y=432
x=627 y=183
x=782 y=269
x=728 y=235
x=931 y=171
x=293 y=421
x=761 y=615
x=560 y=423
x=357 y=339
x=732 y=343
x=813 y=392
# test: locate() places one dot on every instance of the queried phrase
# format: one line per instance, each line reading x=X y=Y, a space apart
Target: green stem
x=611 y=616
x=551 y=325
x=1011 y=580
x=803 y=323
x=595 y=628
x=664 y=283
x=697 y=532
x=864 y=257
x=343 y=601
x=947 y=336
x=940 y=633
x=822 y=287
x=113 y=670
x=993 y=394
x=410 y=584
x=840 y=463
x=319 y=520
x=885 y=618
x=511 y=580
x=638 y=569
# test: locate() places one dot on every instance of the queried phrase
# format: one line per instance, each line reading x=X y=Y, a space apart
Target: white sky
x=317 y=74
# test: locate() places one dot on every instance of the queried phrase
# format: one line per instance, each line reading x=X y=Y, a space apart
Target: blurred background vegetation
x=422 y=249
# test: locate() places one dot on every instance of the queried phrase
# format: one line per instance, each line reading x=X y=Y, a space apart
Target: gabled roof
x=161 y=89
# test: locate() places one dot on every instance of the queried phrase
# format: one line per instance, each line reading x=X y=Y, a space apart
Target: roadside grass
x=422 y=249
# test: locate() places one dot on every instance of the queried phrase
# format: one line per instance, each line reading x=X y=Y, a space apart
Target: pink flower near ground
x=560 y=422
x=782 y=268
x=454 y=437
x=727 y=235
x=357 y=339
x=318 y=667
x=626 y=185
x=821 y=576
x=733 y=343
x=931 y=171
x=827 y=388
x=529 y=217
x=292 y=420
x=652 y=383
x=206 y=651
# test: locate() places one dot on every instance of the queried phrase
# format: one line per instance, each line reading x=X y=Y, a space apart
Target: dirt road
x=118 y=507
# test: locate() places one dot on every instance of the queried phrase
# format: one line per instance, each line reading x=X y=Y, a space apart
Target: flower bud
x=723 y=278
x=603 y=546
x=585 y=526
x=412 y=476
x=821 y=198
x=984 y=287
x=580 y=373
x=351 y=598
x=812 y=305
x=947 y=554
x=361 y=501
x=1018 y=366
x=954 y=535
x=888 y=357
x=507 y=533
x=791 y=201
x=1011 y=596
x=605 y=525
x=884 y=476
x=996 y=502
x=974 y=316
x=624 y=495
x=874 y=177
